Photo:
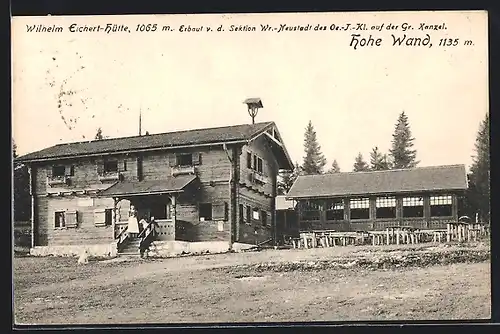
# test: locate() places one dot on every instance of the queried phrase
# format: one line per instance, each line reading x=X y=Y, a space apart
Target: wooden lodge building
x=214 y=185
x=425 y=198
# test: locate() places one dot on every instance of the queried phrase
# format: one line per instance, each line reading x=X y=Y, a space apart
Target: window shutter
x=68 y=170
x=218 y=211
x=122 y=166
x=196 y=159
x=100 y=166
x=100 y=217
x=172 y=160
x=49 y=172
x=71 y=218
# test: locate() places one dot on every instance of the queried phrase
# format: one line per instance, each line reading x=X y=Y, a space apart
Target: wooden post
x=115 y=215
x=448 y=232
x=32 y=195
x=173 y=213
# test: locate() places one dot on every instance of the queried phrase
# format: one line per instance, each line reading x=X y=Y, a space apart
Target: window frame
x=359 y=204
x=413 y=202
x=202 y=217
x=106 y=164
x=335 y=207
x=180 y=156
x=58 y=168
x=440 y=202
x=60 y=213
x=309 y=206
x=385 y=204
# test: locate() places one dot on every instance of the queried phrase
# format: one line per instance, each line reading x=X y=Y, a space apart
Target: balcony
x=110 y=176
x=259 y=178
x=58 y=180
x=183 y=170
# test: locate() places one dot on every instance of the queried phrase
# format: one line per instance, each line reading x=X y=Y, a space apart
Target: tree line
x=401 y=155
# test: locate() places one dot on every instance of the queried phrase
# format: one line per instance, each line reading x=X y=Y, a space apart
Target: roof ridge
x=169 y=132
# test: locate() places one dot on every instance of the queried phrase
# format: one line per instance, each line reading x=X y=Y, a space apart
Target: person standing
x=133 y=224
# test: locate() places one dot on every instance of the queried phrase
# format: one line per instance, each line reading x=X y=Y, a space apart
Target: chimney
x=253 y=104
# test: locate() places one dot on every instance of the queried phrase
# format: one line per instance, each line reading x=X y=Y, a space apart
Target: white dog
x=84 y=258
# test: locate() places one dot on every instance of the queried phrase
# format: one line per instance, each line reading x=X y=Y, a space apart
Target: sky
x=67 y=84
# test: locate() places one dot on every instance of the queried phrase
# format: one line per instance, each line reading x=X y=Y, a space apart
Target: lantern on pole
x=254 y=104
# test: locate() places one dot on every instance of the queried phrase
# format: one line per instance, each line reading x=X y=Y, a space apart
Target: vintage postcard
x=251 y=168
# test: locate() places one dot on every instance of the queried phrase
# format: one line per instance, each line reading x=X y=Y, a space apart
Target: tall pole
x=140 y=118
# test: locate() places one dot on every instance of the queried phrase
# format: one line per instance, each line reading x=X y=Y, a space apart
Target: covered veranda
x=152 y=198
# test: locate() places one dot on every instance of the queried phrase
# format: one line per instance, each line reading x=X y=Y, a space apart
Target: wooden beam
x=273 y=139
x=32 y=195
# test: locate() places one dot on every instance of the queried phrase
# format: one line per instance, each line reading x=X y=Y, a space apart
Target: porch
x=155 y=202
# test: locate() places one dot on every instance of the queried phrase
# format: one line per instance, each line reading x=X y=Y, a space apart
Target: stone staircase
x=131 y=248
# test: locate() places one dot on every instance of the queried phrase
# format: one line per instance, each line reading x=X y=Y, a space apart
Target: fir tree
x=314 y=160
x=360 y=164
x=478 y=194
x=335 y=167
x=402 y=154
x=22 y=201
x=287 y=178
x=378 y=161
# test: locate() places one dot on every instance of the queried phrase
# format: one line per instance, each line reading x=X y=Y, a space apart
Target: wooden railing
x=121 y=238
x=147 y=236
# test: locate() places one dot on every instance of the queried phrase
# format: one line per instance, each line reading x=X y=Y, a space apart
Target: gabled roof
x=436 y=178
x=188 y=138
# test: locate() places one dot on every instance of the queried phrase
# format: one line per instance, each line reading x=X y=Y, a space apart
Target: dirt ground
x=237 y=288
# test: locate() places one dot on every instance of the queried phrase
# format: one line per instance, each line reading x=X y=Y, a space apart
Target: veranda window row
x=385 y=208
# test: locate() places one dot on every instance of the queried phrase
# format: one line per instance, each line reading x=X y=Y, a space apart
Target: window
x=240 y=213
x=58 y=171
x=60 y=219
x=360 y=208
x=249 y=214
x=124 y=165
x=256 y=214
x=441 y=206
x=413 y=207
x=386 y=207
x=108 y=216
x=161 y=211
x=185 y=159
x=264 y=218
x=205 y=211
x=335 y=209
x=111 y=166
x=311 y=210
x=259 y=165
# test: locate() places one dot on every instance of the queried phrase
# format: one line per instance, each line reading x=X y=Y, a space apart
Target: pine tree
x=402 y=154
x=378 y=161
x=360 y=164
x=287 y=178
x=22 y=202
x=335 y=168
x=314 y=160
x=478 y=194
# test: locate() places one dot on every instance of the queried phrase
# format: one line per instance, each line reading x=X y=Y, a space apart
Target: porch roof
x=171 y=184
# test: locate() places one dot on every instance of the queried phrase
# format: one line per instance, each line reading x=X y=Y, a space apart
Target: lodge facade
x=425 y=198
x=205 y=185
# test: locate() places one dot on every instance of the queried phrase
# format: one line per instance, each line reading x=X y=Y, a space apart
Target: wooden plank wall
x=86 y=232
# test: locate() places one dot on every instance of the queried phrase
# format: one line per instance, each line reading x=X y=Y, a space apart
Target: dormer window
x=111 y=166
